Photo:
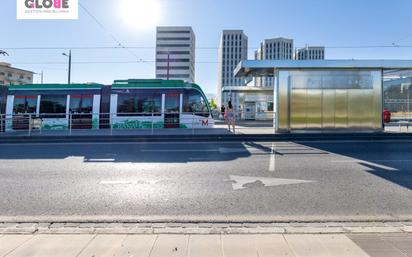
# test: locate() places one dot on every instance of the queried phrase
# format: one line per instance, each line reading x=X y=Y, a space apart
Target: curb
x=207 y=228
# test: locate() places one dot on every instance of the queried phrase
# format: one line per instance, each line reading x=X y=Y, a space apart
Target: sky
x=330 y=23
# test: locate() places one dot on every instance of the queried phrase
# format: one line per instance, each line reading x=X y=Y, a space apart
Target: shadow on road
x=127 y=153
x=391 y=161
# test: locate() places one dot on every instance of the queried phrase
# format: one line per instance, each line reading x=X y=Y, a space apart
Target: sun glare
x=141 y=14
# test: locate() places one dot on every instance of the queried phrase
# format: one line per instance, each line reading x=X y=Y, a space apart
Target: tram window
x=53 y=106
x=25 y=104
x=193 y=102
x=139 y=104
x=81 y=103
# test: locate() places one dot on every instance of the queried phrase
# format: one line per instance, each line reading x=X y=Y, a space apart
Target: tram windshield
x=194 y=102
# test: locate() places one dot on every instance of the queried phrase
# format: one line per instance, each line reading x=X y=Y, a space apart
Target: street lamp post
x=41 y=76
x=70 y=65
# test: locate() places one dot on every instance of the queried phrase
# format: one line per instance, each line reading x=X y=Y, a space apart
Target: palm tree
x=3 y=53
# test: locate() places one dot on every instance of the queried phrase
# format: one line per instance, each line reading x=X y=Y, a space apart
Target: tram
x=126 y=104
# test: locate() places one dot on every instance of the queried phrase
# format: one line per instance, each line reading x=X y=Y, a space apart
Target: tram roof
x=154 y=83
x=55 y=86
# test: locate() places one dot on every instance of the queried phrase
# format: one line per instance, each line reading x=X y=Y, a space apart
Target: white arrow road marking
x=239 y=182
x=272 y=158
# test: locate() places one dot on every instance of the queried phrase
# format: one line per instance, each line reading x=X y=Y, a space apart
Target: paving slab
x=238 y=246
x=136 y=246
x=307 y=246
x=401 y=242
x=10 y=242
x=341 y=246
x=103 y=246
x=205 y=246
x=52 y=245
x=375 y=246
x=272 y=246
x=170 y=246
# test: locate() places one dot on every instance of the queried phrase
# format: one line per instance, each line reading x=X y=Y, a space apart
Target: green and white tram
x=126 y=104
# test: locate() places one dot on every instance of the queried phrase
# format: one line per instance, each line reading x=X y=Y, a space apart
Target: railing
x=152 y=123
x=62 y=123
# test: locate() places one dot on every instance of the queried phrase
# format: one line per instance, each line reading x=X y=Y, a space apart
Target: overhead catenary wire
x=197 y=48
x=120 y=45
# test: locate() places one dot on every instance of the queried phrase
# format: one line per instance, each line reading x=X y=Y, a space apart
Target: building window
x=9 y=75
x=139 y=104
x=53 y=106
x=172 y=60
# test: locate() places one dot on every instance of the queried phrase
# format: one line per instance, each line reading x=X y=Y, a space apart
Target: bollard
x=30 y=121
x=193 y=124
x=110 y=124
x=152 y=124
x=70 y=124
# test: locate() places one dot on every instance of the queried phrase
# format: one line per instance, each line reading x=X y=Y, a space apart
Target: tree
x=212 y=104
x=3 y=53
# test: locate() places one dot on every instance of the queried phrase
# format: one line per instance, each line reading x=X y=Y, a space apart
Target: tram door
x=172 y=109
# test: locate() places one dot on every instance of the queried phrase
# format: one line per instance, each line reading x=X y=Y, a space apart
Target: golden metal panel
x=314 y=109
x=298 y=109
x=283 y=114
x=341 y=109
x=328 y=109
x=360 y=108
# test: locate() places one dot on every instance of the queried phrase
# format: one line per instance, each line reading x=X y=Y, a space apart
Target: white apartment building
x=233 y=48
x=175 y=53
x=13 y=76
x=310 y=53
x=273 y=49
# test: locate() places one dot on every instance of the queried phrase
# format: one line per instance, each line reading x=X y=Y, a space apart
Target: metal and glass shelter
x=334 y=95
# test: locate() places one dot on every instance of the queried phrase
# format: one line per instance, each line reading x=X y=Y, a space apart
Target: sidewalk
x=163 y=245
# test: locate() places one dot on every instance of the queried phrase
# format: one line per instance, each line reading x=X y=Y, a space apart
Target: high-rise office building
x=273 y=49
x=175 y=53
x=233 y=48
x=310 y=53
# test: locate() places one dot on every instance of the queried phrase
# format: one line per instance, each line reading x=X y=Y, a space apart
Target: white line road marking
x=357 y=160
x=374 y=163
x=100 y=160
x=272 y=158
x=241 y=182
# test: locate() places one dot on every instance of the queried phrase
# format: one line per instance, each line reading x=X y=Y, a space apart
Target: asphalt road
x=205 y=181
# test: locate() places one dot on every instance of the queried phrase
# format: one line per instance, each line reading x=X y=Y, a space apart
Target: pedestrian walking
x=222 y=113
x=230 y=116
